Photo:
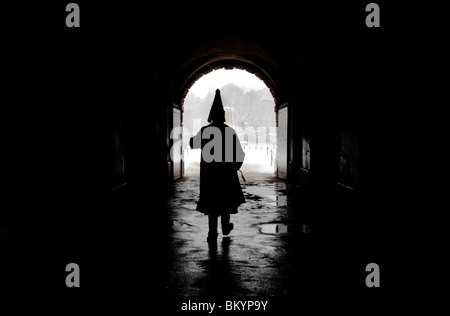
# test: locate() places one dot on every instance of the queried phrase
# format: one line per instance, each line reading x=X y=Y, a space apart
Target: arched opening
x=229 y=54
x=266 y=198
x=249 y=109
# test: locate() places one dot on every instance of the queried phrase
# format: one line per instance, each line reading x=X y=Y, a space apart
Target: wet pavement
x=142 y=249
x=256 y=258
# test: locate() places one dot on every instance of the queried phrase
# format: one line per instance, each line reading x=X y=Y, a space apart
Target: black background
x=57 y=79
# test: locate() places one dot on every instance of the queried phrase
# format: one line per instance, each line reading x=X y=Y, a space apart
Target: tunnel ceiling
x=228 y=53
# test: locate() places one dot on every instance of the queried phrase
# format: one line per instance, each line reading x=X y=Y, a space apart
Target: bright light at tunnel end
x=182 y=134
x=216 y=79
x=251 y=136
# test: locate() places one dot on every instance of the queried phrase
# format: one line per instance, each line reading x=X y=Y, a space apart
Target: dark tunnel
x=92 y=139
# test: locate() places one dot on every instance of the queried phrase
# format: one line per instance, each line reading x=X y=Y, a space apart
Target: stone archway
x=228 y=53
x=232 y=53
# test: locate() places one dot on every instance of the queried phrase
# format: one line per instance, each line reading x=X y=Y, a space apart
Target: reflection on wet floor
x=252 y=260
x=274 y=229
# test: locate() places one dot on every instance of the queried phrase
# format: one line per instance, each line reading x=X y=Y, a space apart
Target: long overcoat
x=220 y=189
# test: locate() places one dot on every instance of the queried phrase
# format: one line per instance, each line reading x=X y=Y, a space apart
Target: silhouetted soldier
x=222 y=156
